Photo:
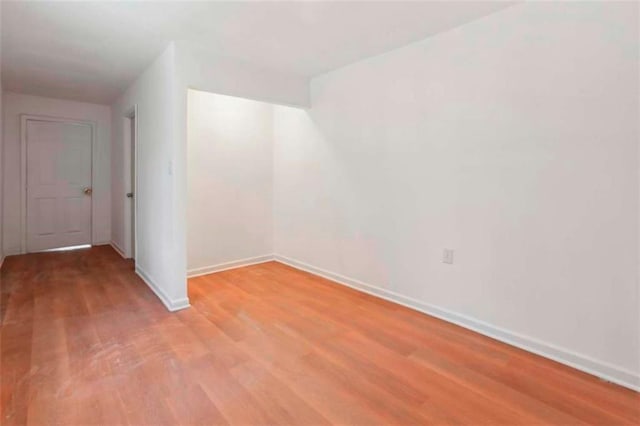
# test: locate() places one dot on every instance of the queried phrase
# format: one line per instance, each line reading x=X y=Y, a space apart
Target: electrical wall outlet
x=447 y=256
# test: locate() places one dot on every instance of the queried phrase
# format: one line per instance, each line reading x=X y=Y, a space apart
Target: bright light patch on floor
x=83 y=246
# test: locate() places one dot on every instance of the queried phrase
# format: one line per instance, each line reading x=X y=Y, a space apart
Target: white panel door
x=58 y=184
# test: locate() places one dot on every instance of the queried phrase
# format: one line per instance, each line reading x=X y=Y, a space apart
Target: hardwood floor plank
x=84 y=341
x=284 y=405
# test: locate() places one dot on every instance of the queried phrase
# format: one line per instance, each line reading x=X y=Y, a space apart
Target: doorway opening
x=130 y=180
x=57 y=183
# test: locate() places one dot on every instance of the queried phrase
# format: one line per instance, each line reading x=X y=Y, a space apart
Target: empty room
x=319 y=212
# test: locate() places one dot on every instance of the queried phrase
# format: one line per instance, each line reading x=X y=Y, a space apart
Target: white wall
x=230 y=178
x=197 y=68
x=160 y=246
x=14 y=105
x=1 y=150
x=512 y=140
x=161 y=95
x=1 y=179
x=203 y=71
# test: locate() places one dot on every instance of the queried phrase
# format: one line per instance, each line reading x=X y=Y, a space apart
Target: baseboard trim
x=196 y=272
x=580 y=362
x=171 y=305
x=117 y=248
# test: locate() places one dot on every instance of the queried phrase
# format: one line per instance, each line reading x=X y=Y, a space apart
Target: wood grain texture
x=84 y=341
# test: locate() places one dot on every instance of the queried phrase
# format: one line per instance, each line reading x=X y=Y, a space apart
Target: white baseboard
x=581 y=362
x=196 y=272
x=171 y=305
x=118 y=249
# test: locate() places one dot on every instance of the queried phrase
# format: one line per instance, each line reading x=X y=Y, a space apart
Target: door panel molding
x=24 y=119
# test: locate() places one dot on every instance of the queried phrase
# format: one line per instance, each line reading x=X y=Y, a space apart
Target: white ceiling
x=91 y=51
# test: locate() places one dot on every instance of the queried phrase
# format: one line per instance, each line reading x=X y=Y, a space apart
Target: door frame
x=24 y=118
x=131 y=114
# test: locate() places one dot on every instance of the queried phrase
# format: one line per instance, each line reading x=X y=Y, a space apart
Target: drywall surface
x=512 y=140
x=202 y=70
x=1 y=151
x=197 y=68
x=1 y=180
x=161 y=95
x=230 y=178
x=160 y=247
x=15 y=105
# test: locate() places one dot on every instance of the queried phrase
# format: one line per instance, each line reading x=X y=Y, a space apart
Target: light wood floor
x=84 y=341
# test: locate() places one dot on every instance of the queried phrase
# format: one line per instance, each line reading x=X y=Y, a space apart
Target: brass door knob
x=87 y=191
